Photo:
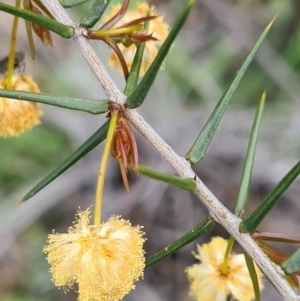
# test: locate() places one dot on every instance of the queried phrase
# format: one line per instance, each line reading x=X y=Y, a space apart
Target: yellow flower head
x=104 y=260
x=16 y=116
x=208 y=283
x=159 y=29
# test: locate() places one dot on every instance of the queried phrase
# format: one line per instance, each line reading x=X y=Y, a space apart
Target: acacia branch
x=216 y=209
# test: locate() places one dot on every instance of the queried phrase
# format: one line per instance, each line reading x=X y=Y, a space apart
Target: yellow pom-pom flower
x=209 y=283
x=157 y=27
x=104 y=260
x=17 y=116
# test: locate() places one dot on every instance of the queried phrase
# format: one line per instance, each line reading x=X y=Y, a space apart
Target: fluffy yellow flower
x=159 y=29
x=208 y=283
x=104 y=260
x=16 y=116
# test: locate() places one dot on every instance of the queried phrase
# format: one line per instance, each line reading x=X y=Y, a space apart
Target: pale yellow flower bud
x=104 y=260
x=208 y=283
x=17 y=116
x=157 y=27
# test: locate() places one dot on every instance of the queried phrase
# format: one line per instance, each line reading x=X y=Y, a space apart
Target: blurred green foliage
x=31 y=156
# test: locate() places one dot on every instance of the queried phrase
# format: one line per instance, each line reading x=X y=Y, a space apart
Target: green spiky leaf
x=140 y=93
x=292 y=264
x=71 y=3
x=95 y=13
x=85 y=148
x=248 y=164
x=199 y=148
x=252 y=222
x=183 y=183
x=86 y=105
x=133 y=76
x=62 y=30
x=203 y=228
x=253 y=275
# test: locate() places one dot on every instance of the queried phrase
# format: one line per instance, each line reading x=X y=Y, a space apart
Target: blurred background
x=215 y=40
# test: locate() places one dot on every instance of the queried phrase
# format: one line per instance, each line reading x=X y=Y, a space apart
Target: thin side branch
x=216 y=209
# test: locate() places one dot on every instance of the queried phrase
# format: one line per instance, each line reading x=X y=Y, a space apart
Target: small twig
x=216 y=209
